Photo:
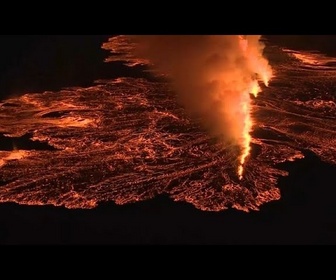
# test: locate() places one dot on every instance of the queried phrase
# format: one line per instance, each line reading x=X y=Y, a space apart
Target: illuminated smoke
x=213 y=76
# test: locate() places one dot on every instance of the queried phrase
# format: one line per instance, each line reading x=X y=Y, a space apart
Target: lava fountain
x=256 y=61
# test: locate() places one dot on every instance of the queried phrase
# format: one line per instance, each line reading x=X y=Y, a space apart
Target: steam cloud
x=213 y=75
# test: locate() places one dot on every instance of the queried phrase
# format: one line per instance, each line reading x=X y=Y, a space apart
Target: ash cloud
x=212 y=75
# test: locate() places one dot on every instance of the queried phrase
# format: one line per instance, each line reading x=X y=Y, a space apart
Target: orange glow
x=13 y=155
x=255 y=88
x=72 y=122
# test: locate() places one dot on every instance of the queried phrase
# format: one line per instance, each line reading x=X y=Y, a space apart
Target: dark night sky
x=305 y=214
x=38 y=63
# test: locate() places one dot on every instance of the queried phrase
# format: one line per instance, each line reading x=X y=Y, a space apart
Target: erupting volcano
x=208 y=123
x=213 y=77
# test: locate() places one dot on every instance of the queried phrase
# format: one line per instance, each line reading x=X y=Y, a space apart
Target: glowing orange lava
x=12 y=155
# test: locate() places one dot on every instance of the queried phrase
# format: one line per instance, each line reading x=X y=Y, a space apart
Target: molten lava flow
x=13 y=155
x=256 y=62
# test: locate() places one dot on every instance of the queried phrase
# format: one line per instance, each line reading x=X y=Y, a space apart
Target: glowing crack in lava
x=128 y=139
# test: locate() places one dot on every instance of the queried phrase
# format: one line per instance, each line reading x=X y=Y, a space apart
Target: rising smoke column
x=213 y=76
